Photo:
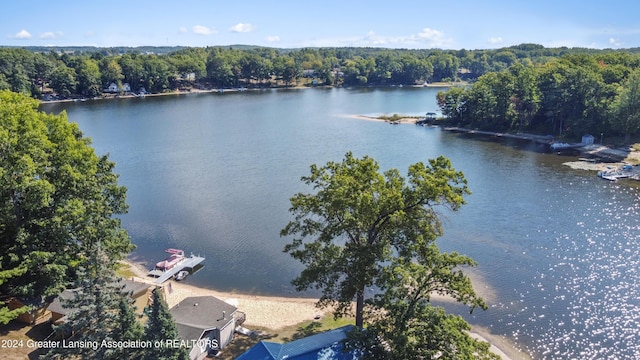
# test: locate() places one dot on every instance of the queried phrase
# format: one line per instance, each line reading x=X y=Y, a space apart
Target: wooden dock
x=187 y=264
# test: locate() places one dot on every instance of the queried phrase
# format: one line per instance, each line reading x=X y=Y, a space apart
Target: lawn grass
x=124 y=271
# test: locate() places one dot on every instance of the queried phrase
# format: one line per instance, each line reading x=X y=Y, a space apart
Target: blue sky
x=291 y=24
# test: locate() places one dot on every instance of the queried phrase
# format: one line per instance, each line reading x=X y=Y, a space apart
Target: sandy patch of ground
x=501 y=346
x=274 y=313
x=263 y=311
x=405 y=120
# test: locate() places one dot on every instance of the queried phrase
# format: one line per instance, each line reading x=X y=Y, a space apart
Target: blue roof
x=326 y=345
x=263 y=350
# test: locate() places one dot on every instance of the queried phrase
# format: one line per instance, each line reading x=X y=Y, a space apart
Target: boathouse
x=207 y=320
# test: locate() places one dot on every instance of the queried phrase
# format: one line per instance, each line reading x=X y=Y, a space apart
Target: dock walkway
x=188 y=263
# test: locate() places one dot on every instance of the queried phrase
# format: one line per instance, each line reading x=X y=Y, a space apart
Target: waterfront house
x=326 y=345
x=209 y=321
x=113 y=88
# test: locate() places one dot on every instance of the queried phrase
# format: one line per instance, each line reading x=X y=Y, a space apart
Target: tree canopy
x=362 y=230
x=86 y=71
x=626 y=106
x=58 y=201
x=567 y=97
x=160 y=328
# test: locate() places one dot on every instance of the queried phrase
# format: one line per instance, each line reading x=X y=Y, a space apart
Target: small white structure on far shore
x=587 y=139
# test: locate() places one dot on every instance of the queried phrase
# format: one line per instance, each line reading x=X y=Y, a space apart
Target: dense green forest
x=525 y=88
x=566 y=97
x=87 y=71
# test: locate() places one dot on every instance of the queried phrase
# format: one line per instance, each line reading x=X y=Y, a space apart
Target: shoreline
x=277 y=312
x=404 y=120
x=177 y=92
x=170 y=93
x=272 y=312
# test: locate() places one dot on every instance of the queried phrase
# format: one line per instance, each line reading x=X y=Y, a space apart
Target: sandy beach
x=262 y=311
x=405 y=120
x=272 y=312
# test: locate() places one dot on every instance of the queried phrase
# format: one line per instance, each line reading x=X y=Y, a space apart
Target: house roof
x=264 y=350
x=130 y=287
x=327 y=344
x=56 y=304
x=135 y=287
x=195 y=314
x=187 y=332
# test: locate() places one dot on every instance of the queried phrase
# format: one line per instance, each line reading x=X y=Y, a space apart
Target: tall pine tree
x=130 y=329
x=99 y=311
x=160 y=328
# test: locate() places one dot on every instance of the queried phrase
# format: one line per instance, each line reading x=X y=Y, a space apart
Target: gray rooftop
x=134 y=287
x=130 y=287
x=195 y=314
x=56 y=304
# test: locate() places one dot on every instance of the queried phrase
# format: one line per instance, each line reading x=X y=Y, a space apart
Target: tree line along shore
x=87 y=72
x=565 y=92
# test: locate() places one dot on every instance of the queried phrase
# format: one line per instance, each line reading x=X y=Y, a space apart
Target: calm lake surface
x=213 y=173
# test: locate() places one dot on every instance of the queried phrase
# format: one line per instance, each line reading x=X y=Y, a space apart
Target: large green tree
x=57 y=199
x=63 y=80
x=453 y=103
x=358 y=222
x=403 y=324
x=110 y=72
x=626 y=107
x=88 y=75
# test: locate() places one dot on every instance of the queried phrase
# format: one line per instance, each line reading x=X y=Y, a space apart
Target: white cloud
x=242 y=28
x=22 y=35
x=496 y=40
x=615 y=42
x=203 y=30
x=51 y=35
x=273 y=38
x=431 y=35
x=371 y=39
x=427 y=38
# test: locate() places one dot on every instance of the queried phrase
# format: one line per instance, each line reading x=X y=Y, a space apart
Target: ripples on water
x=557 y=246
x=585 y=303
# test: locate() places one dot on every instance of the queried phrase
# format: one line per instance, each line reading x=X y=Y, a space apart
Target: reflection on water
x=589 y=298
x=213 y=174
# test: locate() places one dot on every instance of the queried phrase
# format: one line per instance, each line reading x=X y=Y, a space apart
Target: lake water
x=213 y=173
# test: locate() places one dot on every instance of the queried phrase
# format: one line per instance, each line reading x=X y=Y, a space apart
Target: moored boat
x=181 y=275
x=615 y=174
x=176 y=257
